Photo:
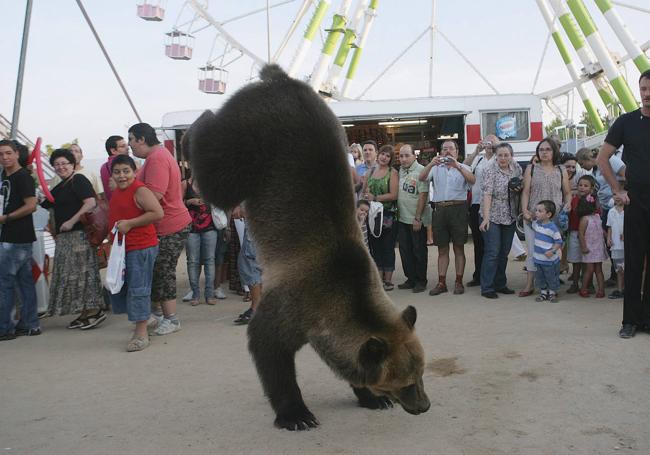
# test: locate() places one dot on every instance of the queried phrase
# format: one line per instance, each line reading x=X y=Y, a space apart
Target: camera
x=445 y=160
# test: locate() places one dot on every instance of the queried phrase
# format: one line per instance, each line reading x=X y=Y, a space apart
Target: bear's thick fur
x=277 y=146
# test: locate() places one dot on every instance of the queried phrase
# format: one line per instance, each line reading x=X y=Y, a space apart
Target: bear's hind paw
x=296 y=420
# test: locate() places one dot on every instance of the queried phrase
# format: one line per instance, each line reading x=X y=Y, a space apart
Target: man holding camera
x=451 y=181
x=478 y=162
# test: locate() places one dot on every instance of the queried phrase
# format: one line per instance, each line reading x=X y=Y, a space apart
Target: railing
x=5 y=130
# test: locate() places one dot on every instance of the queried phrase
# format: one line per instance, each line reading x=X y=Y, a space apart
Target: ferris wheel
x=344 y=29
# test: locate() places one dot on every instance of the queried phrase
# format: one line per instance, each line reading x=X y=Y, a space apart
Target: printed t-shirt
x=15 y=188
x=161 y=174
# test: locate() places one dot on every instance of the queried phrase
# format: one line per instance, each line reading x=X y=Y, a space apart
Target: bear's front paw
x=371 y=401
x=296 y=420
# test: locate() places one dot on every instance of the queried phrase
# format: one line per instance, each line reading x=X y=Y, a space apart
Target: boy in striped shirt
x=548 y=243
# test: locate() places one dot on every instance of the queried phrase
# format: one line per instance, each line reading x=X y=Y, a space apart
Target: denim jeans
x=497 y=241
x=547 y=276
x=16 y=275
x=200 y=252
x=135 y=296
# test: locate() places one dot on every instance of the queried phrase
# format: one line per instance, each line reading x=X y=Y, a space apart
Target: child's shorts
x=573 y=251
x=135 y=296
x=618 y=258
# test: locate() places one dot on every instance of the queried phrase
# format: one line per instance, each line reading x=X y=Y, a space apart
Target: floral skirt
x=75 y=284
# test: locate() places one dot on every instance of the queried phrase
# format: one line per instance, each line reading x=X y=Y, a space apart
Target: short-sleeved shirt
x=615 y=220
x=546 y=236
x=69 y=196
x=362 y=169
x=410 y=188
x=478 y=169
x=15 y=188
x=161 y=174
x=105 y=174
x=605 y=192
x=92 y=177
x=449 y=184
x=504 y=202
x=632 y=130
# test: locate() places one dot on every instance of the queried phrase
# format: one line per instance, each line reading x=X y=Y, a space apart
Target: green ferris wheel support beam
x=623 y=34
x=588 y=27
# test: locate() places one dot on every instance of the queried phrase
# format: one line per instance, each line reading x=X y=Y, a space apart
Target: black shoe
x=505 y=290
x=244 y=318
x=419 y=287
x=406 y=285
x=627 y=331
x=490 y=295
x=615 y=294
x=473 y=283
x=28 y=332
x=93 y=321
x=7 y=337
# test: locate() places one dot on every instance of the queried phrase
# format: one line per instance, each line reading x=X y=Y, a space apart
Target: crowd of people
x=584 y=210
x=154 y=211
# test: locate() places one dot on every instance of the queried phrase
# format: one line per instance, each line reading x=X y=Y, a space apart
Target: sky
x=70 y=93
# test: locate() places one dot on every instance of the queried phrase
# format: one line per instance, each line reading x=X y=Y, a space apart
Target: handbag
x=103 y=252
x=219 y=218
x=116 y=270
x=376 y=218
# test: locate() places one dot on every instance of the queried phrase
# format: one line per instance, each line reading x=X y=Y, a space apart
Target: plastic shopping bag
x=116 y=270
x=219 y=218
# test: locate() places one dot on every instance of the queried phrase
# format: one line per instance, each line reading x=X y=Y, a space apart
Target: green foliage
x=551 y=126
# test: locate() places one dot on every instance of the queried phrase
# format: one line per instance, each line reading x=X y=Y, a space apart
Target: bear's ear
x=373 y=351
x=410 y=315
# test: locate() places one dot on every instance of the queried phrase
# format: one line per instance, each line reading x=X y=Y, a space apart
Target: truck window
x=506 y=125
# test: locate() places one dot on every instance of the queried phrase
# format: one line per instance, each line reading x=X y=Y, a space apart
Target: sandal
x=247 y=297
x=584 y=293
x=526 y=293
x=77 y=323
x=388 y=286
x=137 y=344
x=94 y=320
x=195 y=302
x=600 y=294
x=573 y=289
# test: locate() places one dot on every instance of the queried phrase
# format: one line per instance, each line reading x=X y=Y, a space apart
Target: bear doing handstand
x=278 y=147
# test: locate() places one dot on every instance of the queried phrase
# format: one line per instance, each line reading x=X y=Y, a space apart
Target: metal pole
x=631 y=46
x=21 y=71
x=336 y=32
x=592 y=35
x=268 y=31
x=346 y=45
x=308 y=37
x=586 y=56
x=433 y=35
x=571 y=67
x=108 y=59
x=370 y=14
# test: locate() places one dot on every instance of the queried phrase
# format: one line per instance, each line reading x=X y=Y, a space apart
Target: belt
x=449 y=203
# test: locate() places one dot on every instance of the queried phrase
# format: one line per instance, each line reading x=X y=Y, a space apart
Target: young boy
x=615 y=218
x=363 y=207
x=17 y=203
x=548 y=243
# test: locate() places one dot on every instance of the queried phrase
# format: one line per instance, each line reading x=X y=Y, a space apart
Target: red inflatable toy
x=36 y=157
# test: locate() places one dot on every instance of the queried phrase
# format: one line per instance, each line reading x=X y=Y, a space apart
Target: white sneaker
x=166 y=327
x=187 y=297
x=218 y=293
x=153 y=322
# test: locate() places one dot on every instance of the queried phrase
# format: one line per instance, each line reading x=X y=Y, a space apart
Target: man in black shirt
x=17 y=203
x=632 y=131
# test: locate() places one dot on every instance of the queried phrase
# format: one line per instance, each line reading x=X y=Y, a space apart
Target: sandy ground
x=509 y=376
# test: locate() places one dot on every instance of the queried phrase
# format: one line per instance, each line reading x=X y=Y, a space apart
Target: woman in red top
x=133 y=210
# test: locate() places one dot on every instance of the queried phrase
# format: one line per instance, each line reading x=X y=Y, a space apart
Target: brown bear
x=276 y=146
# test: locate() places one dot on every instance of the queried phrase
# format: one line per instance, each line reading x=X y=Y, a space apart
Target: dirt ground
x=506 y=376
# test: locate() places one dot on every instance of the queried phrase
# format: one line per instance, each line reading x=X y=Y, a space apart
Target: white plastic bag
x=376 y=218
x=116 y=269
x=219 y=218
